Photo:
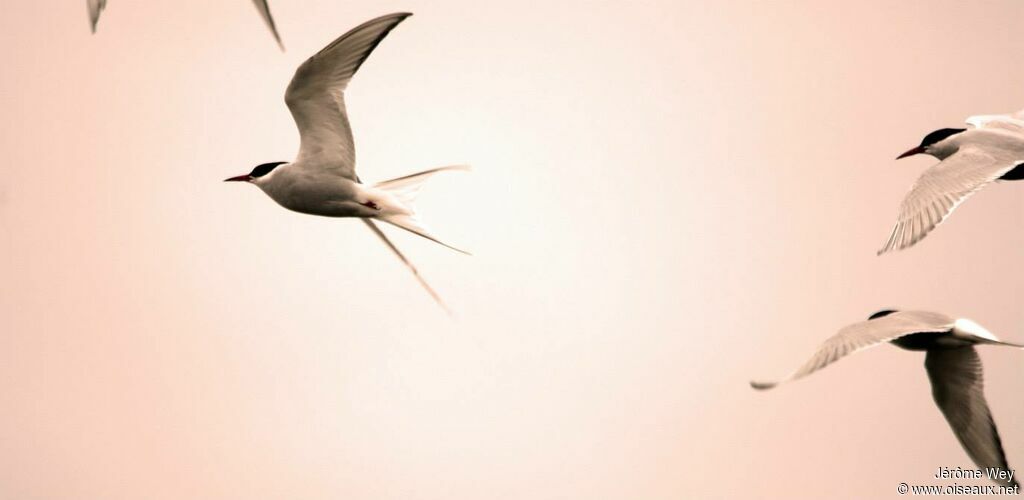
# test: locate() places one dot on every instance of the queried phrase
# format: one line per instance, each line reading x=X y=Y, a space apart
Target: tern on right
x=97 y=6
x=992 y=149
x=953 y=367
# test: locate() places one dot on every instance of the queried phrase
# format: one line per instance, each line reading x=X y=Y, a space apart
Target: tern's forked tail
x=404 y=190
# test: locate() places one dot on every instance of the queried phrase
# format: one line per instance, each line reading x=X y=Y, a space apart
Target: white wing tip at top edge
x=981 y=121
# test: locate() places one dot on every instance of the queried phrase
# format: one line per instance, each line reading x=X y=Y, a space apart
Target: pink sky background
x=669 y=199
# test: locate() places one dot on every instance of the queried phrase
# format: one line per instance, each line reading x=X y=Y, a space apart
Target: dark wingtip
x=762 y=386
x=273 y=31
x=400 y=15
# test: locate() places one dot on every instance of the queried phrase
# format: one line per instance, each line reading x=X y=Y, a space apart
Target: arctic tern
x=322 y=179
x=953 y=367
x=97 y=6
x=992 y=149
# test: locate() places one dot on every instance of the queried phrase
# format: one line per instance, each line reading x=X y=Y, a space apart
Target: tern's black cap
x=881 y=314
x=265 y=169
x=939 y=135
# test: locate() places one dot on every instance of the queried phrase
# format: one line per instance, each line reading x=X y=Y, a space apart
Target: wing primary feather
x=95 y=8
x=389 y=20
x=264 y=8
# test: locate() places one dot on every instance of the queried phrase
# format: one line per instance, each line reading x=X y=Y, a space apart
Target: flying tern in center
x=96 y=7
x=322 y=179
x=992 y=149
x=953 y=367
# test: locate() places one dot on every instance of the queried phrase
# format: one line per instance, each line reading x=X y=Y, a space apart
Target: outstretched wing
x=95 y=8
x=261 y=5
x=943 y=187
x=316 y=96
x=957 y=387
x=859 y=336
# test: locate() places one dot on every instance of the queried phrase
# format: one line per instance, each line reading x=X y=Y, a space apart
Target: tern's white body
x=952 y=363
x=322 y=179
x=970 y=160
x=312 y=192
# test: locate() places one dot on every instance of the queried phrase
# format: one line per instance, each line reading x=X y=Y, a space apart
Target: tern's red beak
x=239 y=178
x=911 y=152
